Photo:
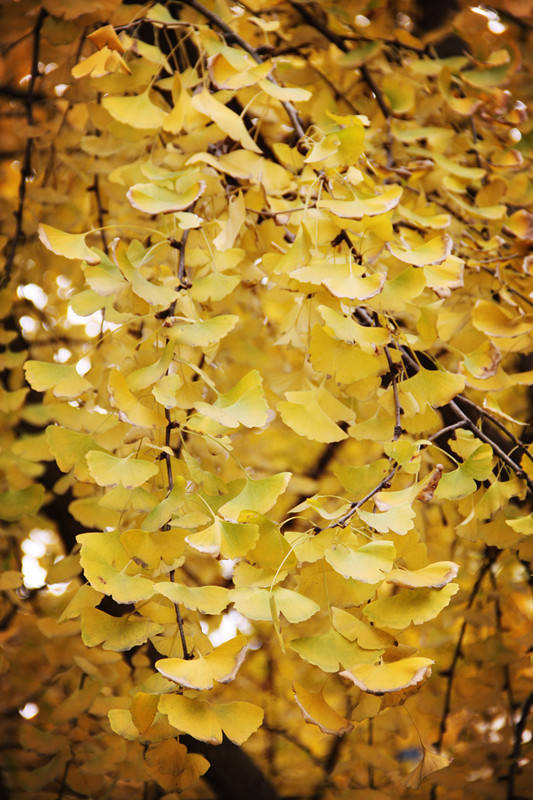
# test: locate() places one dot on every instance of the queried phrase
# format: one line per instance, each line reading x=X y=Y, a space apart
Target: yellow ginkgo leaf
x=291 y=94
x=492 y=319
x=108 y=470
x=131 y=409
x=409 y=606
x=313 y=413
x=220 y=665
x=172 y=766
x=369 y=563
x=106 y=36
x=205 y=599
x=350 y=331
x=69 y=449
x=206 y=721
x=433 y=387
x=104 y=561
x=149 y=548
x=244 y=404
x=138 y=111
x=63 y=379
x=16 y=503
x=143 y=288
x=435 y=251
x=434 y=576
x=143 y=710
x=145 y=376
x=229 y=539
x=389 y=676
x=239 y=719
x=227 y=120
x=103 y=62
x=256 y=495
x=367 y=207
x=263 y=604
x=152 y=198
x=330 y=651
x=318 y=712
x=68 y=245
x=203 y=333
x=355 y=630
x=161 y=513
x=115 y=633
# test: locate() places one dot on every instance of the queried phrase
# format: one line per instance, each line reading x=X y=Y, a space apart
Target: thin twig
x=515 y=754
x=490 y=558
x=100 y=213
x=25 y=172
x=338 y=40
x=343 y=521
x=397 y=409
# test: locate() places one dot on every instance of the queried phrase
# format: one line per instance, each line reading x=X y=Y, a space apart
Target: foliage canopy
x=266 y=347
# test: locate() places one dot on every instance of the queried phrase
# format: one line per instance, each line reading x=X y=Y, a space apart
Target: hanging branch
x=398 y=430
x=338 y=40
x=170 y=480
x=491 y=554
x=100 y=213
x=517 y=746
x=25 y=172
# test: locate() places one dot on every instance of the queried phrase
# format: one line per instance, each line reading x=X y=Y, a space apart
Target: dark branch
x=25 y=171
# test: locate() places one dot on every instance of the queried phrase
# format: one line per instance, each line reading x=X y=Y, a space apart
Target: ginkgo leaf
x=148 y=548
x=138 y=111
x=317 y=711
x=68 y=245
x=202 y=334
x=206 y=721
x=16 y=503
x=130 y=408
x=152 y=198
x=409 y=606
x=220 y=665
x=226 y=119
x=399 y=519
x=359 y=208
x=263 y=604
x=369 y=563
x=292 y=94
x=108 y=470
x=143 y=710
x=256 y=495
x=162 y=512
x=434 y=576
x=173 y=767
x=313 y=414
x=63 y=379
x=492 y=319
x=433 y=387
x=104 y=561
x=434 y=251
x=244 y=404
x=355 y=630
x=115 y=633
x=141 y=286
x=389 y=676
x=230 y=539
x=330 y=651
x=205 y=599
x=350 y=331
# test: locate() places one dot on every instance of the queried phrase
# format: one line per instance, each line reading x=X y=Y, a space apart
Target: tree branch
x=25 y=171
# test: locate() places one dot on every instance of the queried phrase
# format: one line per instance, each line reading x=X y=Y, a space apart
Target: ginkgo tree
x=267 y=314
